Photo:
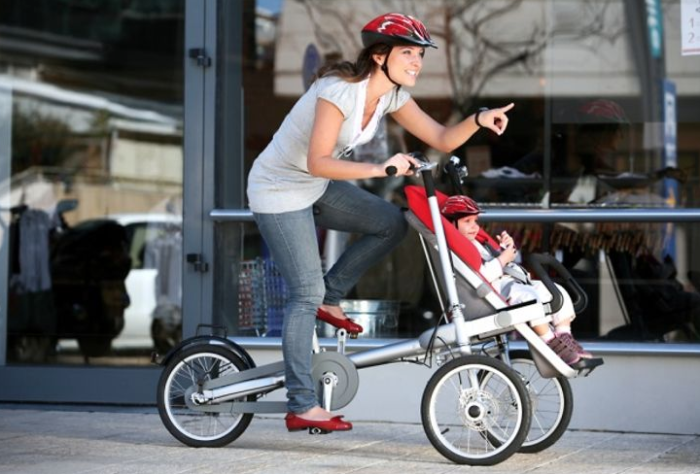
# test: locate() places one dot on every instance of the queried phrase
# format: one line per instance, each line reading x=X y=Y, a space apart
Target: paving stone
x=37 y=439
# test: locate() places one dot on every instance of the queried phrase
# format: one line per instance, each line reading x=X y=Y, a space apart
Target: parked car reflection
x=153 y=319
x=67 y=281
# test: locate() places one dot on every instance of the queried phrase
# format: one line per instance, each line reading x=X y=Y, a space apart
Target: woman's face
x=468 y=226
x=405 y=64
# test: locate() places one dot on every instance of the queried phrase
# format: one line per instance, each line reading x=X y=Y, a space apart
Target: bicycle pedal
x=317 y=431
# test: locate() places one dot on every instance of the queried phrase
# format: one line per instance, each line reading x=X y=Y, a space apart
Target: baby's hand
x=508 y=255
x=505 y=240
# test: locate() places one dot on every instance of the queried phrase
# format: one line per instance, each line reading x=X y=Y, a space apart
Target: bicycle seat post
x=315 y=346
x=342 y=339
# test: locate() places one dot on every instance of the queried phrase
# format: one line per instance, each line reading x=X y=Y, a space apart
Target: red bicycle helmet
x=396 y=29
x=459 y=206
x=602 y=111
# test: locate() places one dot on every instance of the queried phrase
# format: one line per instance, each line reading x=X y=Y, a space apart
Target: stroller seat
x=476 y=295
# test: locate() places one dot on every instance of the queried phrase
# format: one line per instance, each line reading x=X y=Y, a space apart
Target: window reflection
x=638 y=289
x=91 y=183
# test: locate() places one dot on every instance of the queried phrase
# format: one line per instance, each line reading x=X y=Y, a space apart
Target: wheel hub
x=476 y=408
x=474 y=411
x=348 y=380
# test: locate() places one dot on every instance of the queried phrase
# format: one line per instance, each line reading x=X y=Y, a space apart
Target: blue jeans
x=291 y=237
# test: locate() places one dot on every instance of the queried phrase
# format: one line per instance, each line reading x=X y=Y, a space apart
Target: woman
x=298 y=182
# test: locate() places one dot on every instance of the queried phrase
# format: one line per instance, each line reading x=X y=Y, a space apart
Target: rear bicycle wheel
x=552 y=403
x=191 y=368
x=467 y=400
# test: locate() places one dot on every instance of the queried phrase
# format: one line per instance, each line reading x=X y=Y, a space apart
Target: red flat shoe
x=295 y=423
x=348 y=324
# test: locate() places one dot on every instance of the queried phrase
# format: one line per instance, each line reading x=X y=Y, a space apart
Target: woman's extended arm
x=446 y=139
x=324 y=136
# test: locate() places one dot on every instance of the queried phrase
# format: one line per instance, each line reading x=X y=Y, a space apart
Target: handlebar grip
x=391 y=170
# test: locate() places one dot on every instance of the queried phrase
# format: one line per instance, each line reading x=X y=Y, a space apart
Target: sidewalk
x=57 y=440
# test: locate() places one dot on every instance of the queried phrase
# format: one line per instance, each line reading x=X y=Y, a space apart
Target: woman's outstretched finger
x=506 y=108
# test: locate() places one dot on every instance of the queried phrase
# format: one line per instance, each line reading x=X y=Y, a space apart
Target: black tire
x=460 y=399
x=552 y=403
x=195 y=428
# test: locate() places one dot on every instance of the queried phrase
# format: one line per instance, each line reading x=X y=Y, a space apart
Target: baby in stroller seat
x=511 y=281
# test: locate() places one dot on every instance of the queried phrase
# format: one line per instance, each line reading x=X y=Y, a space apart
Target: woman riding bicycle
x=299 y=182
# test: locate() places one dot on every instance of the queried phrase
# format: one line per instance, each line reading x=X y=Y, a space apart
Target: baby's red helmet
x=459 y=206
x=396 y=29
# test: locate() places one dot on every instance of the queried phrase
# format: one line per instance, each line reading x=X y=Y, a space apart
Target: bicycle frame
x=457 y=338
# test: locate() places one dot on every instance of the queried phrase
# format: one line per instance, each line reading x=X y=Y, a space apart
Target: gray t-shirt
x=279 y=180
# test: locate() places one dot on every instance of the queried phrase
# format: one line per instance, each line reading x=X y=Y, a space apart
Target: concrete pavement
x=65 y=439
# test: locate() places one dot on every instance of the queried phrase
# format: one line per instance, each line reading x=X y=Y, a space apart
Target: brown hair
x=360 y=69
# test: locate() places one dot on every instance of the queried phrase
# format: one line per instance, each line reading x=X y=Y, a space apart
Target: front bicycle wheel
x=191 y=368
x=552 y=403
x=467 y=400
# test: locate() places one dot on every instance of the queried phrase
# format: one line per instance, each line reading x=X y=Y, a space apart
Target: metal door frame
x=130 y=384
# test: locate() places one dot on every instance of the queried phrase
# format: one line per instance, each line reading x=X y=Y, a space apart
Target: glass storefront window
x=606 y=116
x=639 y=284
x=91 y=179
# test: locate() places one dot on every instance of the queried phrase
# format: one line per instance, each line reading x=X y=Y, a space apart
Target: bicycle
x=476 y=409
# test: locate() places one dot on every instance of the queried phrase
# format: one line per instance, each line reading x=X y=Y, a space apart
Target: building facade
x=128 y=128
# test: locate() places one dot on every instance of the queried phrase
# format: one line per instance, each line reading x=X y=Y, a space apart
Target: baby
x=496 y=266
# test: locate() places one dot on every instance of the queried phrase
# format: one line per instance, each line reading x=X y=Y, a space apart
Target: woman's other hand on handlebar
x=403 y=164
x=496 y=119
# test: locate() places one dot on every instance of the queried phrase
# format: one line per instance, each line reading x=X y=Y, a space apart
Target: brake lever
x=391 y=170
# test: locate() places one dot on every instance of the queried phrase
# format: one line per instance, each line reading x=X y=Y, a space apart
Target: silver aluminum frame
x=557 y=215
x=457 y=335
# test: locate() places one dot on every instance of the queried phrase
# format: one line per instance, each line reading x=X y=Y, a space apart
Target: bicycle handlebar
x=455 y=179
x=426 y=165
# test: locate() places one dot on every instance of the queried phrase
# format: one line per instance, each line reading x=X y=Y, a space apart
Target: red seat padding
x=418 y=204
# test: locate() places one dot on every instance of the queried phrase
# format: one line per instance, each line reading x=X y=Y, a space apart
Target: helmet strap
x=386 y=69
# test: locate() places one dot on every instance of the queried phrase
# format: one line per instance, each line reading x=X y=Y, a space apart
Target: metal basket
x=262 y=295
